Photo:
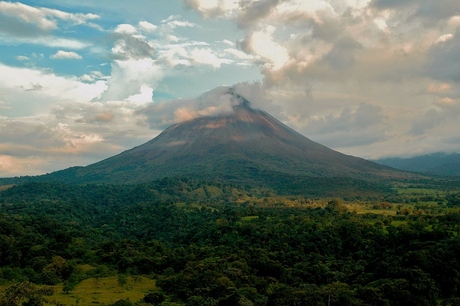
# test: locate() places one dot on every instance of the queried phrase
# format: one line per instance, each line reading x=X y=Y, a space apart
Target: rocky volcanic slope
x=245 y=145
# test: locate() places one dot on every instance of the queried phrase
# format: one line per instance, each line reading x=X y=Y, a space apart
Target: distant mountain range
x=441 y=164
x=246 y=146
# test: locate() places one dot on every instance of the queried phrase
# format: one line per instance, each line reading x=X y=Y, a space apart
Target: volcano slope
x=246 y=146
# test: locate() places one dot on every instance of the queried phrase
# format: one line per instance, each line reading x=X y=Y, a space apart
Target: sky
x=84 y=80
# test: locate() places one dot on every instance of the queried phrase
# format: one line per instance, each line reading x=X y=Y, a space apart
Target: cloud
x=427 y=10
x=92 y=77
x=125 y=29
x=70 y=133
x=129 y=45
x=342 y=54
x=218 y=101
x=29 y=90
x=24 y=24
x=29 y=15
x=147 y=26
x=444 y=38
x=134 y=71
x=446 y=113
x=14 y=166
x=34 y=87
x=366 y=123
x=254 y=11
x=141 y=59
x=65 y=55
x=24 y=20
x=22 y=58
x=34 y=136
x=4 y=105
x=131 y=77
x=207 y=57
x=429 y=120
x=211 y=9
x=172 y=24
x=228 y=42
x=262 y=43
x=443 y=63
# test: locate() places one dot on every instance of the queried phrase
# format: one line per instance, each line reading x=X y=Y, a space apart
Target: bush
x=154 y=298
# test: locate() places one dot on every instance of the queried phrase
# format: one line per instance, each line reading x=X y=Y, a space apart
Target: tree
x=154 y=298
x=25 y=293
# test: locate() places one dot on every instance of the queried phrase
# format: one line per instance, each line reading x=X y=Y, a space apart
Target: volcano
x=244 y=145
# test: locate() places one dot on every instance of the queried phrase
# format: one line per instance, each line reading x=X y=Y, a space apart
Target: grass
x=5 y=187
x=249 y=218
x=104 y=291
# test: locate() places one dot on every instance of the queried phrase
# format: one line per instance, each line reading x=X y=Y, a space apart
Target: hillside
x=440 y=164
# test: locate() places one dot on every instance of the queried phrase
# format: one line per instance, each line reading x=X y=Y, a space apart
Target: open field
x=101 y=291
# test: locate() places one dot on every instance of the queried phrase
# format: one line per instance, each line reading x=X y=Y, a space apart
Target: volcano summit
x=243 y=145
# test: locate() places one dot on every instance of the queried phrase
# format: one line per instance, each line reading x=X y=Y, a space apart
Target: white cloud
x=33 y=90
x=444 y=38
x=125 y=29
x=207 y=57
x=87 y=78
x=212 y=8
x=147 y=26
x=145 y=95
x=172 y=38
x=129 y=76
x=239 y=54
x=21 y=16
x=47 y=40
x=228 y=42
x=178 y=23
x=28 y=14
x=263 y=44
x=93 y=76
x=22 y=58
x=65 y=55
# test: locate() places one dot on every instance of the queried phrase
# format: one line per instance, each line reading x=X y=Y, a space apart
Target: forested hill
x=230 y=245
x=441 y=164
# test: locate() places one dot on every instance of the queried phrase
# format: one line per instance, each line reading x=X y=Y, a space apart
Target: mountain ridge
x=438 y=163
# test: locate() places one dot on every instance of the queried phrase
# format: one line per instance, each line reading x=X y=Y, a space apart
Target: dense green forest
x=209 y=243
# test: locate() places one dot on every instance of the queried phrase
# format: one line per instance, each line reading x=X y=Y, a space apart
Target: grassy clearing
x=5 y=187
x=369 y=208
x=249 y=218
x=105 y=291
